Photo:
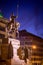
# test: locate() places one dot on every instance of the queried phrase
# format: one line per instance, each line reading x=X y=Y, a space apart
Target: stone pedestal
x=16 y=44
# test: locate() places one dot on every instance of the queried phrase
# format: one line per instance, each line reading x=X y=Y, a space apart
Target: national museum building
x=34 y=43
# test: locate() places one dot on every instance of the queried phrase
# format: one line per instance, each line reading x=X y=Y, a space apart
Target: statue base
x=15 y=60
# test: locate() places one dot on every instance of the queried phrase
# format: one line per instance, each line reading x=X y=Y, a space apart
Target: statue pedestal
x=16 y=44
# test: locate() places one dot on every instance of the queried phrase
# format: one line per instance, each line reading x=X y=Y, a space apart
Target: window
x=2 y=36
x=2 y=28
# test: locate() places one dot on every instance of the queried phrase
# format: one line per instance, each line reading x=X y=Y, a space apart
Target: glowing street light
x=34 y=47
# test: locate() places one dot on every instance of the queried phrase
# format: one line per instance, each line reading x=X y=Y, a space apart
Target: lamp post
x=33 y=49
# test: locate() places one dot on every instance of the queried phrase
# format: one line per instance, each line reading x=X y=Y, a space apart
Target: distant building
x=3 y=22
x=31 y=40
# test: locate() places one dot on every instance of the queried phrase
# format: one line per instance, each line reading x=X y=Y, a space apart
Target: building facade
x=3 y=22
x=35 y=44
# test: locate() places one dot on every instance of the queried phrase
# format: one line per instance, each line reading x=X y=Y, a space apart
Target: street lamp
x=34 y=47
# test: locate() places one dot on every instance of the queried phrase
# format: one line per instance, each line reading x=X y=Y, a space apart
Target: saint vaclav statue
x=6 y=48
x=11 y=28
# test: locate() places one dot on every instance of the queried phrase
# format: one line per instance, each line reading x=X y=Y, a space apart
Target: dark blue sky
x=30 y=14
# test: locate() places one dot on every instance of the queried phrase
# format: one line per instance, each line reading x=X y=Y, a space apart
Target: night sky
x=30 y=14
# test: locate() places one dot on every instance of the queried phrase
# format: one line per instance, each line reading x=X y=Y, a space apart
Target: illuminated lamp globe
x=34 y=46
